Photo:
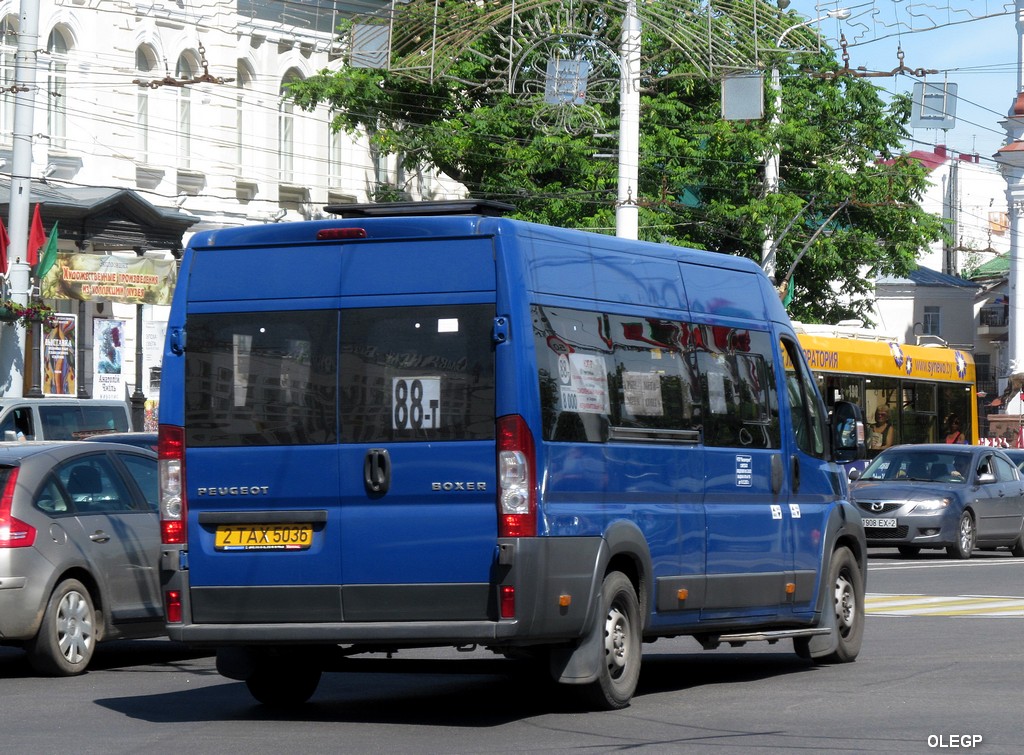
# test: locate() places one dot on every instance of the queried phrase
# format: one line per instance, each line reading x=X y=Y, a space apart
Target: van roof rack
x=414 y=209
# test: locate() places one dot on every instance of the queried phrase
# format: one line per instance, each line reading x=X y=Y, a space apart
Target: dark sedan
x=942 y=496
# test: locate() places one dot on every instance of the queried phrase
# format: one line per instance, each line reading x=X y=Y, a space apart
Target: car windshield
x=919 y=466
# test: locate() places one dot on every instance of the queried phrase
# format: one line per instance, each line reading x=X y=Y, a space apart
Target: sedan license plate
x=885 y=524
x=263 y=537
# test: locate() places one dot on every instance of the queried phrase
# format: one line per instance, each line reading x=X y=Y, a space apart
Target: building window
x=185 y=69
x=145 y=64
x=57 y=90
x=8 y=51
x=931 y=325
x=286 y=133
x=245 y=120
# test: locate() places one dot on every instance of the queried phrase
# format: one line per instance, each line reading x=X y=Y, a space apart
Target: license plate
x=263 y=537
x=885 y=524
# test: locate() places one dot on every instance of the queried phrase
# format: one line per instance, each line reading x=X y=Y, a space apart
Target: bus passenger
x=953 y=433
x=883 y=434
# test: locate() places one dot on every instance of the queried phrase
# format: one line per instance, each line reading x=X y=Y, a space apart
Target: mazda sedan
x=79 y=549
x=942 y=496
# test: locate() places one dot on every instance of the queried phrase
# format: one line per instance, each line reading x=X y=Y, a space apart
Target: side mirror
x=847 y=426
x=986 y=477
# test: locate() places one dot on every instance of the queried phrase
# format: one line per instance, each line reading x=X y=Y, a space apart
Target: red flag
x=36 y=239
x=4 y=243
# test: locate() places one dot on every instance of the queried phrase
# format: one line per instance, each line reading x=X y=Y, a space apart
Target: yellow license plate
x=263 y=537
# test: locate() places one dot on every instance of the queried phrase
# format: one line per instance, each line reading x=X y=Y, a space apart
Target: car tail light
x=172 y=606
x=173 y=505
x=14 y=533
x=517 y=498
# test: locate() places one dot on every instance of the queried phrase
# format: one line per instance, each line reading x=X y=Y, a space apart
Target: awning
x=108 y=219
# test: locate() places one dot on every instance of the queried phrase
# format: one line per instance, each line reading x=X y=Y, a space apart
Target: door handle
x=99 y=536
x=377 y=471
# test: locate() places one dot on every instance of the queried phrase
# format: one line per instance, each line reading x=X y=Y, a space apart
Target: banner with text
x=108 y=348
x=98 y=277
x=59 y=356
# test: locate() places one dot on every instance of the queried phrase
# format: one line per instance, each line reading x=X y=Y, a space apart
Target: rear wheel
x=278 y=687
x=966 y=536
x=1017 y=549
x=66 y=639
x=621 y=645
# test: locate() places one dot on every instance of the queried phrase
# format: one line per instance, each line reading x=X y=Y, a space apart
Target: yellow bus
x=909 y=394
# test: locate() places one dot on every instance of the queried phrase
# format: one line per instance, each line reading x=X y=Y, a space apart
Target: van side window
x=261 y=378
x=806 y=410
x=621 y=377
x=417 y=373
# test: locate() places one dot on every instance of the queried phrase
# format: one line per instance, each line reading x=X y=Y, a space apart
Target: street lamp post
x=771 y=167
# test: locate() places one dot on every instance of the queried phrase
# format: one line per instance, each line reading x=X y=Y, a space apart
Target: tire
x=1017 y=549
x=281 y=687
x=909 y=551
x=966 y=537
x=621 y=646
x=67 y=636
x=846 y=584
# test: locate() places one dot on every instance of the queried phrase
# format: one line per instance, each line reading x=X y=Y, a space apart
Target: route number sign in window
x=416 y=403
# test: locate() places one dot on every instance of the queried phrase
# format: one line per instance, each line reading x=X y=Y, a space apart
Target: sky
x=953 y=37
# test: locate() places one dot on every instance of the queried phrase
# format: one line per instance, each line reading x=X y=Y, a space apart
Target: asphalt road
x=941 y=665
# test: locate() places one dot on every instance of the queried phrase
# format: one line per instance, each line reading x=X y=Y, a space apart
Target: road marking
x=992 y=606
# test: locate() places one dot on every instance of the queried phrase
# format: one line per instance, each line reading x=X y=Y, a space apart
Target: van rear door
x=340 y=448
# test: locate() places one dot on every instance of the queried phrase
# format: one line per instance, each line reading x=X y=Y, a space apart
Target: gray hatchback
x=942 y=496
x=79 y=549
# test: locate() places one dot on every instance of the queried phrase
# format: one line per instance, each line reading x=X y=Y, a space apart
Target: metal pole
x=627 y=212
x=21 y=167
x=138 y=397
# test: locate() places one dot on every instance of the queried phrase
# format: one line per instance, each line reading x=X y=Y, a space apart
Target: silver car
x=942 y=496
x=79 y=549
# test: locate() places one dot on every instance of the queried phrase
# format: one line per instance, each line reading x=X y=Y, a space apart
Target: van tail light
x=517 y=479
x=14 y=533
x=172 y=606
x=173 y=505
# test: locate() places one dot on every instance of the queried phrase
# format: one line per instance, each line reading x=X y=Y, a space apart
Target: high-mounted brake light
x=517 y=478
x=173 y=505
x=14 y=533
x=335 y=234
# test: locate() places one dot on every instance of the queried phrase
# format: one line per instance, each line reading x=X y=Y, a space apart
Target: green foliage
x=701 y=177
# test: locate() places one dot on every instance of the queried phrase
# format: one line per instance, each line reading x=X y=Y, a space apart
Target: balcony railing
x=994 y=317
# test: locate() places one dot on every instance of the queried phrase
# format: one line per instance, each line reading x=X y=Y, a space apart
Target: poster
x=108 y=353
x=59 y=356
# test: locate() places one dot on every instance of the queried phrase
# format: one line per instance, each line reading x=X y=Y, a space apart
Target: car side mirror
x=986 y=477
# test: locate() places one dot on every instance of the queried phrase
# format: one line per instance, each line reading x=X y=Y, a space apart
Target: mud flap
x=580 y=663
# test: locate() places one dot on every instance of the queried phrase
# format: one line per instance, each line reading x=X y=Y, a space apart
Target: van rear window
x=261 y=378
x=404 y=373
x=417 y=373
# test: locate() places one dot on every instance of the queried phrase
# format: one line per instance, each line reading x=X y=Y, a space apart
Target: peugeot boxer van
x=408 y=428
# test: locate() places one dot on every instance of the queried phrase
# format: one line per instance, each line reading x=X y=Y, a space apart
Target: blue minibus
x=429 y=425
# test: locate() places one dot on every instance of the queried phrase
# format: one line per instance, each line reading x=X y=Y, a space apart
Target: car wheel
x=281 y=687
x=909 y=551
x=1017 y=549
x=847 y=585
x=965 y=537
x=621 y=645
x=67 y=637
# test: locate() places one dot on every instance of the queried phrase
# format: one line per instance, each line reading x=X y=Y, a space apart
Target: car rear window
x=64 y=422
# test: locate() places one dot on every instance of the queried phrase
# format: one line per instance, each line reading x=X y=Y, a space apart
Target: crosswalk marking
x=877 y=604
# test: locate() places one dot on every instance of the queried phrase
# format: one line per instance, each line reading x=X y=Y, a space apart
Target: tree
x=701 y=177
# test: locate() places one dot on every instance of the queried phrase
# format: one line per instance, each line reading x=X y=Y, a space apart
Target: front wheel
x=966 y=534
x=1017 y=549
x=620 y=647
x=67 y=637
x=846 y=583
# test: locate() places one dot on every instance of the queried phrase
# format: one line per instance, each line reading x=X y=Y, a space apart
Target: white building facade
x=181 y=102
